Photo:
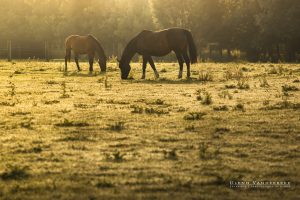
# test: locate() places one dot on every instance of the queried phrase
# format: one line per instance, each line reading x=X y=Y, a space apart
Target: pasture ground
x=81 y=136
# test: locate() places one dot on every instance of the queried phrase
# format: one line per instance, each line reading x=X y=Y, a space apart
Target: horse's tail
x=68 y=54
x=192 y=47
x=68 y=49
x=100 y=52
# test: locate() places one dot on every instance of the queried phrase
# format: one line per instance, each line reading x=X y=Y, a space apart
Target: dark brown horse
x=160 y=43
x=85 y=45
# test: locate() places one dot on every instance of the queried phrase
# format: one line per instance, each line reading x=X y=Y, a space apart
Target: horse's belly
x=157 y=48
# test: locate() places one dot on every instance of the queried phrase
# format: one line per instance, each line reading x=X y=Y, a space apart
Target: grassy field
x=81 y=136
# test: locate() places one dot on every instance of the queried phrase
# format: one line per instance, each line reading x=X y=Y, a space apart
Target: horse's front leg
x=153 y=67
x=188 y=64
x=145 y=61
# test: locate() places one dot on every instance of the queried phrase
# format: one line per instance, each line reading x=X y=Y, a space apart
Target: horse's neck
x=130 y=55
x=130 y=52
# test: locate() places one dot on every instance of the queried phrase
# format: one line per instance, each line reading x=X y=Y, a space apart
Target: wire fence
x=11 y=50
x=41 y=51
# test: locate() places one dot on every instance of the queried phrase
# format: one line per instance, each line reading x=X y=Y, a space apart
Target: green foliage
x=247 y=25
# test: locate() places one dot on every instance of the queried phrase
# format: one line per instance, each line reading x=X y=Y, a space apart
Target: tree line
x=261 y=30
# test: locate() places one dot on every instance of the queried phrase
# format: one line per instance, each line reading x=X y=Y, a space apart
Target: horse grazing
x=85 y=45
x=160 y=43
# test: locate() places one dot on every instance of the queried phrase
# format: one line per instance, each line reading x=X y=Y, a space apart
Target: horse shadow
x=169 y=81
x=87 y=75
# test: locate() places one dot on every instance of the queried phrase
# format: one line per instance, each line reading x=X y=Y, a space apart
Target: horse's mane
x=127 y=53
x=98 y=44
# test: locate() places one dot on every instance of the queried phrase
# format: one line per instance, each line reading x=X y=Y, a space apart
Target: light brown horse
x=160 y=43
x=85 y=45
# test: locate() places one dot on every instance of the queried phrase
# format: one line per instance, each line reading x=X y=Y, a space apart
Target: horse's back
x=162 y=41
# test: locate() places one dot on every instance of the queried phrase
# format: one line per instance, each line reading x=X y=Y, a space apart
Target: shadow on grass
x=168 y=81
x=83 y=74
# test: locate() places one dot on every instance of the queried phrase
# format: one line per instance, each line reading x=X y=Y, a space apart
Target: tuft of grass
x=239 y=107
x=163 y=70
x=14 y=173
x=27 y=125
x=190 y=128
x=225 y=94
x=171 y=155
x=207 y=99
x=104 y=184
x=204 y=97
x=289 y=88
x=137 y=109
x=296 y=81
x=159 y=102
x=221 y=108
x=13 y=89
x=277 y=70
x=264 y=82
x=205 y=76
x=67 y=123
x=156 y=111
x=230 y=86
x=116 y=157
x=117 y=126
x=203 y=151
x=206 y=154
x=194 y=116
x=84 y=106
x=51 y=102
x=64 y=90
x=234 y=73
x=285 y=104
x=222 y=130
x=106 y=84
x=18 y=72
x=20 y=113
x=243 y=84
x=51 y=82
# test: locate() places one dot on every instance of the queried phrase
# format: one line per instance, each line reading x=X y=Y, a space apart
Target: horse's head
x=102 y=64
x=125 y=69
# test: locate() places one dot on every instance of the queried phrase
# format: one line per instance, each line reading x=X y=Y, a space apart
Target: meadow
x=94 y=136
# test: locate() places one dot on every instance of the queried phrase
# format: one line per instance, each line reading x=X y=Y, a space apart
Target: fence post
x=46 y=51
x=9 y=50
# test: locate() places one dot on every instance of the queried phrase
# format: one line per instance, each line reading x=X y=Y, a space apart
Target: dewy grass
x=81 y=148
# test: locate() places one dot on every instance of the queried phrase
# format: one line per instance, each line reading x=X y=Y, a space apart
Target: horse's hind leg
x=66 y=63
x=153 y=67
x=76 y=61
x=67 y=57
x=91 y=62
x=180 y=61
x=188 y=64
